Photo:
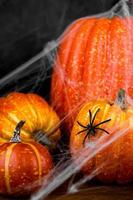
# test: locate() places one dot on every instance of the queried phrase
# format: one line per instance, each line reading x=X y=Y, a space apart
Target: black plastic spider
x=91 y=128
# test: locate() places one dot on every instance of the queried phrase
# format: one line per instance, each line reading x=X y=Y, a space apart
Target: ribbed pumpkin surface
x=114 y=163
x=33 y=109
x=94 y=59
x=23 y=167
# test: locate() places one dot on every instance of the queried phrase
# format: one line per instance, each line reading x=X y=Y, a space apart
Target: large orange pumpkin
x=94 y=59
x=33 y=109
x=96 y=119
x=23 y=165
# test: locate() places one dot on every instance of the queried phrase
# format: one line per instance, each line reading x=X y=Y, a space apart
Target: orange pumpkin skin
x=117 y=156
x=23 y=167
x=31 y=108
x=95 y=53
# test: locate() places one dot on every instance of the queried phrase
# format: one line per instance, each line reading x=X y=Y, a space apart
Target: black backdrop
x=26 y=26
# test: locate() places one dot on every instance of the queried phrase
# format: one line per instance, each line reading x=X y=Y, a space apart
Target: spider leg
x=102 y=122
x=81 y=125
x=95 y=115
x=87 y=134
x=89 y=138
x=81 y=131
x=102 y=130
x=90 y=117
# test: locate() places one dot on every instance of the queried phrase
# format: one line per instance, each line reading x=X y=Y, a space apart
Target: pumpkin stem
x=121 y=99
x=16 y=134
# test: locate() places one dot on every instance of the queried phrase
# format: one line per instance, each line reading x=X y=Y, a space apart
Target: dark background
x=27 y=25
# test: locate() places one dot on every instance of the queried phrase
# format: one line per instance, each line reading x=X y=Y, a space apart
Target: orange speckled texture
x=23 y=166
x=94 y=60
x=28 y=107
x=117 y=157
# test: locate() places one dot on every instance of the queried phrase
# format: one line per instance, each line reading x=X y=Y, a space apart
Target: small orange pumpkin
x=101 y=117
x=23 y=165
x=33 y=109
